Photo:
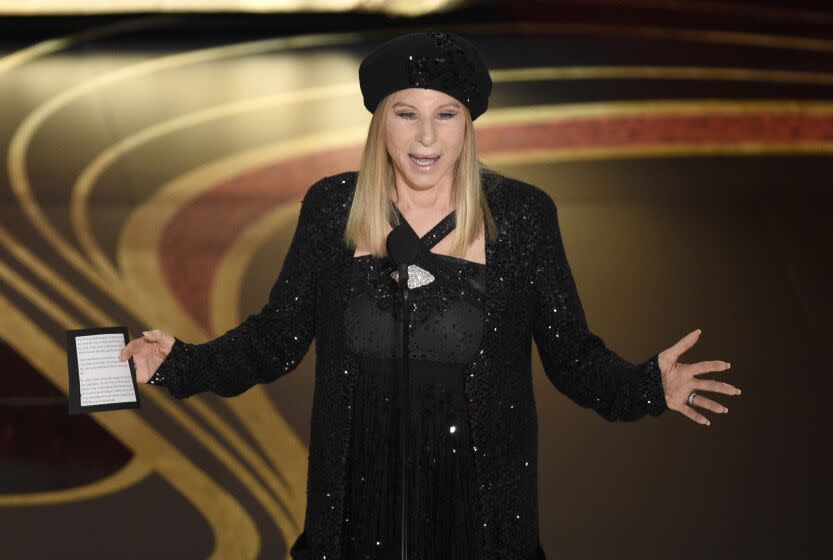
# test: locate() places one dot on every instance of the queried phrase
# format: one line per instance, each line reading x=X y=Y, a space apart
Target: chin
x=423 y=179
x=426 y=179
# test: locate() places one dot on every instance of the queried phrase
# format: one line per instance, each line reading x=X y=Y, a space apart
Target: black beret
x=431 y=60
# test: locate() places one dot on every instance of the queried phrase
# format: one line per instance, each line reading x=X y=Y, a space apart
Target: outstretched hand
x=678 y=381
x=148 y=353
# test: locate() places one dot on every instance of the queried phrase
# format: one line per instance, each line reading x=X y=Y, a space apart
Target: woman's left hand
x=678 y=381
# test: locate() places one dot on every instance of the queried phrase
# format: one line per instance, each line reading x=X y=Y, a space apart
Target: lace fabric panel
x=454 y=278
x=445 y=315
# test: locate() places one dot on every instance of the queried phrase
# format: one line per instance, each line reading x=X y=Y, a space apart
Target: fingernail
x=145 y=332
x=737 y=393
x=699 y=331
x=725 y=410
x=708 y=423
x=728 y=365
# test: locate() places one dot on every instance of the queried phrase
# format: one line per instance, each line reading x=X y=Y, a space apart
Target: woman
x=490 y=275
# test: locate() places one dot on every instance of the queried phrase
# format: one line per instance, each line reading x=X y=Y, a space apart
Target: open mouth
x=423 y=162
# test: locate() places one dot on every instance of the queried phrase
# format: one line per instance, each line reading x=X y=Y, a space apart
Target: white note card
x=102 y=378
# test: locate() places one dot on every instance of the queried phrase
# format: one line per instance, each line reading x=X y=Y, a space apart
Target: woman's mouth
x=423 y=163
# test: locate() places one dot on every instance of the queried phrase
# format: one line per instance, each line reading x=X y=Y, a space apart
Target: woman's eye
x=410 y=115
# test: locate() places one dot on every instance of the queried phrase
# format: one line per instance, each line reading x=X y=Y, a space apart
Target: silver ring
x=691 y=398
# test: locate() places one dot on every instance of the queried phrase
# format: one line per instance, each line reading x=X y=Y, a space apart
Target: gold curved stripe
x=235 y=535
x=82 y=188
x=282 y=516
x=550 y=112
x=136 y=470
x=228 y=281
x=714 y=106
x=39 y=50
x=279 y=513
x=140 y=236
x=22 y=136
x=68 y=8
x=51 y=278
x=35 y=296
x=715 y=37
x=660 y=73
x=287 y=517
x=235 y=261
x=692 y=150
x=83 y=185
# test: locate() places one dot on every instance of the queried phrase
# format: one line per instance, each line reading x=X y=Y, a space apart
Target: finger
x=701 y=401
x=709 y=366
x=715 y=387
x=684 y=344
x=694 y=415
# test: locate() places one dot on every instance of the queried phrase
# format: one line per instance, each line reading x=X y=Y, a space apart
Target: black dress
x=445 y=334
x=531 y=296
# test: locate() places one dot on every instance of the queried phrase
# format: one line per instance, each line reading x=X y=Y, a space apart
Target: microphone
x=403 y=246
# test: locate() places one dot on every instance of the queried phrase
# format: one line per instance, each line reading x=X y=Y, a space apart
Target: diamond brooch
x=417 y=276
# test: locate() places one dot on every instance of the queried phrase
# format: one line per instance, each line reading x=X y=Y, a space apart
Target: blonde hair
x=372 y=204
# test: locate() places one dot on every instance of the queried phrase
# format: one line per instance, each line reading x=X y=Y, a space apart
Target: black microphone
x=403 y=246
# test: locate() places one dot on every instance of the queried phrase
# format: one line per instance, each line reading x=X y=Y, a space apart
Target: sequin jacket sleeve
x=575 y=360
x=267 y=344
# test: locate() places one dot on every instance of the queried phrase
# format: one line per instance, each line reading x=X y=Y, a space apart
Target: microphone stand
x=404 y=405
x=403 y=246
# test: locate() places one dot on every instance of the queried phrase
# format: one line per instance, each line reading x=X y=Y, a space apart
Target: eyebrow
x=453 y=104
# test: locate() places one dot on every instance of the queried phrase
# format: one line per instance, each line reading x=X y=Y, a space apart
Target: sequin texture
x=529 y=294
x=450 y=71
x=442 y=491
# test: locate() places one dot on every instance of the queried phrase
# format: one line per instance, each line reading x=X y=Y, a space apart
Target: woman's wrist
x=160 y=377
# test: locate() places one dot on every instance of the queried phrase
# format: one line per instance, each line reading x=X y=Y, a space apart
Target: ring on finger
x=691 y=397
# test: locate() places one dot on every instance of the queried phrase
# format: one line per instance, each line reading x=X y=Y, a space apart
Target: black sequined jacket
x=530 y=294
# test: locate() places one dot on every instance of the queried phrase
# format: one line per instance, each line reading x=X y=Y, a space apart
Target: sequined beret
x=431 y=60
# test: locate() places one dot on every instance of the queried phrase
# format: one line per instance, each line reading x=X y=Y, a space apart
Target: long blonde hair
x=372 y=201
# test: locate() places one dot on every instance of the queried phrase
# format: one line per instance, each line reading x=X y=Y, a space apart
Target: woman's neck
x=431 y=201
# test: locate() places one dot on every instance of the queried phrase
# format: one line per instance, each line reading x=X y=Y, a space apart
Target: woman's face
x=424 y=133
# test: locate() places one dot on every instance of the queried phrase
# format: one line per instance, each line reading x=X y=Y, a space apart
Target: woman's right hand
x=148 y=353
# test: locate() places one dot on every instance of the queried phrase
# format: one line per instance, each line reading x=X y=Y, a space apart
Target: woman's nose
x=426 y=132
